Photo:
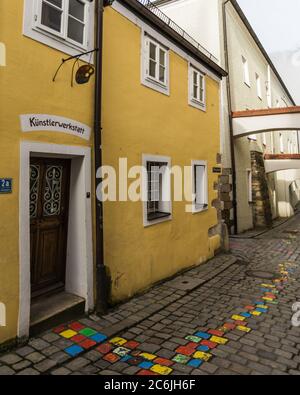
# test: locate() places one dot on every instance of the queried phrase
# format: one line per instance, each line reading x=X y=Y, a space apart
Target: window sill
x=200 y=209
x=158 y=215
x=154 y=85
x=198 y=105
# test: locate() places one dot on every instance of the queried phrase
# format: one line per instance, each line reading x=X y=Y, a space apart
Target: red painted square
x=59 y=329
x=78 y=338
x=76 y=326
x=185 y=350
x=104 y=348
x=112 y=358
x=240 y=323
x=144 y=372
x=88 y=343
x=131 y=344
x=215 y=332
x=163 y=362
x=192 y=345
x=209 y=344
x=250 y=307
x=271 y=296
x=229 y=325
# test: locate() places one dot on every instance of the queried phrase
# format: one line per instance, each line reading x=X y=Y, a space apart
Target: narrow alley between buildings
x=232 y=315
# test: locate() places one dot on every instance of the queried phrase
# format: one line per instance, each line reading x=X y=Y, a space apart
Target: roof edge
x=140 y=9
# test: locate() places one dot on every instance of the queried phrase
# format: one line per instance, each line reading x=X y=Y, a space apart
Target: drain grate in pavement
x=185 y=283
x=263 y=274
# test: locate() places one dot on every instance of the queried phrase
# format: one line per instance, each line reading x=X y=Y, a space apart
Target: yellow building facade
x=161 y=108
x=144 y=119
x=50 y=122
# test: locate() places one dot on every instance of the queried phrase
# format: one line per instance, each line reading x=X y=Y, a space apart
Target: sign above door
x=54 y=123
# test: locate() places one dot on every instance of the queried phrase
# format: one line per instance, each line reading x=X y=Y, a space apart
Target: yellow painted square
x=256 y=313
x=163 y=370
x=262 y=306
x=267 y=286
x=202 y=355
x=268 y=299
x=218 y=340
x=119 y=341
x=243 y=328
x=68 y=334
x=147 y=356
x=238 y=318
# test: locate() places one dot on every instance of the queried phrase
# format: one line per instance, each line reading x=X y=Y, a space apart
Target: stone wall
x=262 y=213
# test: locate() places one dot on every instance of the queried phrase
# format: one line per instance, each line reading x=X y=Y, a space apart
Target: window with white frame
x=258 y=86
x=155 y=65
x=158 y=190
x=249 y=185
x=200 y=186
x=246 y=71
x=197 y=88
x=60 y=22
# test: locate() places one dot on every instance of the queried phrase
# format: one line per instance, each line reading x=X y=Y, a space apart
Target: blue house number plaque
x=5 y=185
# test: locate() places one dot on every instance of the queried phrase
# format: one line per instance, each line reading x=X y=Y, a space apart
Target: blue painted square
x=203 y=348
x=195 y=363
x=203 y=335
x=261 y=310
x=146 y=365
x=98 y=337
x=74 y=350
x=126 y=358
x=246 y=315
x=260 y=302
x=265 y=290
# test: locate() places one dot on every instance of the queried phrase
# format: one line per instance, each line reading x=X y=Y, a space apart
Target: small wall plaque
x=217 y=170
x=5 y=185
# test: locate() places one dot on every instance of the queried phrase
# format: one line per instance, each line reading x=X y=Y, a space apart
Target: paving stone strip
x=79 y=338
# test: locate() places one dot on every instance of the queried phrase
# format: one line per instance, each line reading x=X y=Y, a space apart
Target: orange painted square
x=185 y=350
x=88 y=343
x=112 y=358
x=131 y=344
x=209 y=344
x=76 y=326
x=164 y=362
x=104 y=348
x=144 y=372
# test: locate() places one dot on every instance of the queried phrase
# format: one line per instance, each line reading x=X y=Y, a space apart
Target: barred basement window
x=155 y=205
x=200 y=187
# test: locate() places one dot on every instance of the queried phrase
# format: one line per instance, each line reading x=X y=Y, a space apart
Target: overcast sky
x=276 y=23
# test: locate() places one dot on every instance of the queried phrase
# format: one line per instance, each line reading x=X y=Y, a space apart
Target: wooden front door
x=49 y=201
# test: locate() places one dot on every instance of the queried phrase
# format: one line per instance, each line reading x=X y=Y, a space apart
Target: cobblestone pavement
x=214 y=319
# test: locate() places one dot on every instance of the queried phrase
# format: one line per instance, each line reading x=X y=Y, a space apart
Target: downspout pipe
x=102 y=280
x=234 y=191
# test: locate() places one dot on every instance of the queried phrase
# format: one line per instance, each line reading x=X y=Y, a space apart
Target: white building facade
x=250 y=198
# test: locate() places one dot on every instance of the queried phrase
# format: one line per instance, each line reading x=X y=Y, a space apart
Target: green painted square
x=194 y=339
x=179 y=358
x=88 y=332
